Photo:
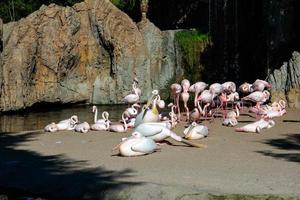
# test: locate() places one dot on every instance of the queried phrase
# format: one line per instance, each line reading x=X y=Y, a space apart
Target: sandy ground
x=244 y=163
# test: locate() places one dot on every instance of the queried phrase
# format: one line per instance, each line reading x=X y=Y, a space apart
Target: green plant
x=193 y=43
x=125 y=5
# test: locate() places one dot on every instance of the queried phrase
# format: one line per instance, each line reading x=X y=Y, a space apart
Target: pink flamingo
x=216 y=89
x=273 y=113
x=135 y=88
x=132 y=111
x=185 y=95
x=230 y=119
x=132 y=98
x=246 y=88
x=105 y=116
x=196 y=113
x=233 y=97
x=258 y=97
x=229 y=87
x=51 y=128
x=119 y=127
x=82 y=127
x=260 y=85
x=197 y=88
x=100 y=126
x=254 y=128
x=160 y=103
x=206 y=97
x=167 y=115
x=175 y=91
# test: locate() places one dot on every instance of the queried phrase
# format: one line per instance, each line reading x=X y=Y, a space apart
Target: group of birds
x=152 y=126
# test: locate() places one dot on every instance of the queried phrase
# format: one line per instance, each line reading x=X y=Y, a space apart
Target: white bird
x=130 y=123
x=160 y=103
x=100 y=126
x=68 y=124
x=233 y=97
x=51 y=128
x=175 y=92
x=197 y=88
x=258 y=97
x=105 y=116
x=132 y=98
x=265 y=123
x=273 y=113
x=246 y=88
x=206 y=97
x=159 y=132
x=254 y=128
x=137 y=145
x=132 y=111
x=230 y=118
x=119 y=127
x=135 y=88
x=147 y=114
x=229 y=87
x=260 y=85
x=216 y=89
x=257 y=126
x=195 y=131
x=230 y=122
x=232 y=113
x=82 y=127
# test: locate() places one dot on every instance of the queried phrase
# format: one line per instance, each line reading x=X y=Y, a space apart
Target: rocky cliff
x=86 y=53
x=286 y=81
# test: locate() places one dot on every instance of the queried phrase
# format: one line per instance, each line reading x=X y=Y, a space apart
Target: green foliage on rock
x=192 y=43
x=125 y=4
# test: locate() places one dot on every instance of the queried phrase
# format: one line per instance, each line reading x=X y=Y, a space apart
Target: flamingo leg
x=177 y=105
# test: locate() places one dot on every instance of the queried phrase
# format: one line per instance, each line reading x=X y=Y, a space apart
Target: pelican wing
x=149 y=130
x=144 y=146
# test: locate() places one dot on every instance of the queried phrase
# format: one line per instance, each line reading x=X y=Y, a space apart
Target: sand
x=75 y=164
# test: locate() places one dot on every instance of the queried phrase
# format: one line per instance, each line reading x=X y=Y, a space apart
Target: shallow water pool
x=39 y=118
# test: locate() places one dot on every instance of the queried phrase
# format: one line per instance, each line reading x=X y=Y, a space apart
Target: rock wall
x=85 y=53
x=286 y=82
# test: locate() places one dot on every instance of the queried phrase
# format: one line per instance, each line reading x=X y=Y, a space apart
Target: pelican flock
x=152 y=125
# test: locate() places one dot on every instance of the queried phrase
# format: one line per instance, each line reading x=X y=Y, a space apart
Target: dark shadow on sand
x=25 y=172
x=289 y=120
x=245 y=121
x=289 y=148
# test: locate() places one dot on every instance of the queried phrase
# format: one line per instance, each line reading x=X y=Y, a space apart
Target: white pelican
x=137 y=145
x=159 y=132
x=195 y=131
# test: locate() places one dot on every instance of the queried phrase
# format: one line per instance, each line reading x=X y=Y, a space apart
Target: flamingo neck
x=196 y=98
x=125 y=124
x=103 y=116
x=107 y=125
x=95 y=115
x=199 y=108
x=237 y=111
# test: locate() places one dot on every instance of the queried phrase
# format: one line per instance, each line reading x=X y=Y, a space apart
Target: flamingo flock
x=151 y=125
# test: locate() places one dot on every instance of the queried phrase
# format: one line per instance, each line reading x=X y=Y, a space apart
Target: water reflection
x=39 y=118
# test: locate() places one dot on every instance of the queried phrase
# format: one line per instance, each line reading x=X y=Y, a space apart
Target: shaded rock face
x=86 y=53
x=286 y=82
